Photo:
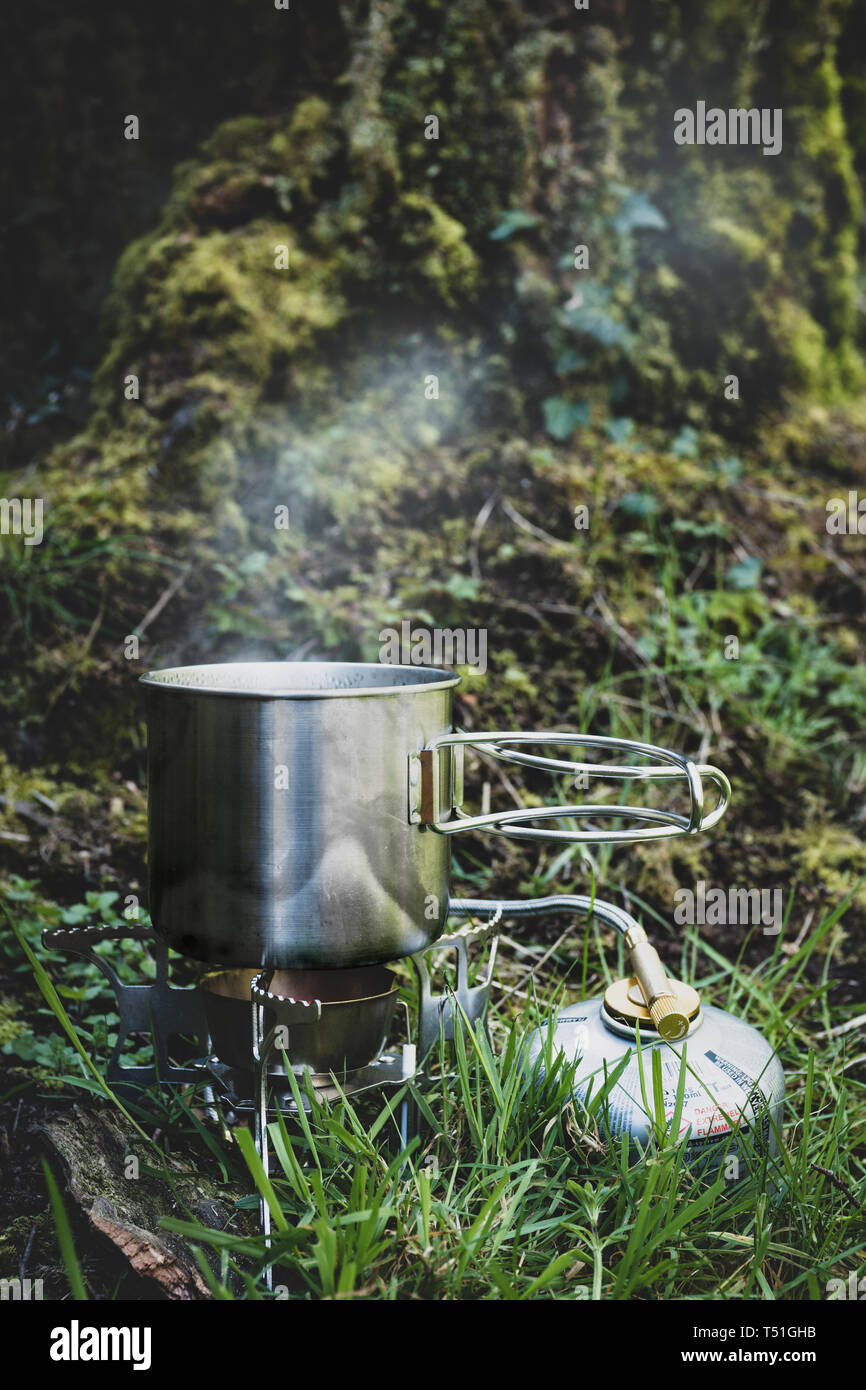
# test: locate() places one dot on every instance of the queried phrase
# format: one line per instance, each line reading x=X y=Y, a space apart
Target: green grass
x=513 y=1191
x=85 y=993
x=60 y=579
x=64 y=1237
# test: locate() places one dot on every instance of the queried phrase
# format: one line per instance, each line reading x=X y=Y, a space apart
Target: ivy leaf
x=592 y=318
x=569 y=361
x=619 y=429
x=515 y=220
x=79 y=912
x=730 y=468
x=685 y=446
x=254 y=563
x=639 y=504
x=745 y=575
x=561 y=416
x=462 y=586
x=637 y=214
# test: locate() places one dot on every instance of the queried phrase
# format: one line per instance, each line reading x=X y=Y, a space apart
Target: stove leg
x=437 y=1012
x=408 y=1108
x=262 y=1147
x=263 y=1049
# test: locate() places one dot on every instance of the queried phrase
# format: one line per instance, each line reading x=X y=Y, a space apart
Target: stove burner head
x=357 y=1009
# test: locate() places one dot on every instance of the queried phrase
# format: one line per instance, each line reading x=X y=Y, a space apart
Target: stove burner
x=345 y=1034
x=330 y=1024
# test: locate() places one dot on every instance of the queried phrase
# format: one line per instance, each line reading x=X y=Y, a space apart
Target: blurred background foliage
x=557 y=388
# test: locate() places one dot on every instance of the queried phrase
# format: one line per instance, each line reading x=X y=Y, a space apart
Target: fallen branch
x=165 y=597
x=849 y=1027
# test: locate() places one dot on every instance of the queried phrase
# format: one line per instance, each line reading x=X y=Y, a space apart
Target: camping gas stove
x=299 y=826
x=261 y=1050
x=250 y=1039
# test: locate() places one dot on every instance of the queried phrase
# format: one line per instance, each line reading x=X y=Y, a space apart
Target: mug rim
x=415 y=679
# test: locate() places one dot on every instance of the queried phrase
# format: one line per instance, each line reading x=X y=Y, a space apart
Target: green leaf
x=64 y=1238
x=254 y=563
x=745 y=575
x=619 y=429
x=570 y=360
x=685 y=446
x=462 y=586
x=515 y=220
x=591 y=316
x=246 y=1144
x=80 y=912
x=52 y=998
x=561 y=416
x=639 y=504
x=638 y=214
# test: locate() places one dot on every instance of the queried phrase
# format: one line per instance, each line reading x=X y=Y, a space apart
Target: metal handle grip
x=80 y=939
x=426 y=803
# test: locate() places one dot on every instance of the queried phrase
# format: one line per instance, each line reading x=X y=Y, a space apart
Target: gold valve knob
x=666 y=1008
x=667 y=1015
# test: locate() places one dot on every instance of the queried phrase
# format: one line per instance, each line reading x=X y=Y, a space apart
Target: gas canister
x=734 y=1086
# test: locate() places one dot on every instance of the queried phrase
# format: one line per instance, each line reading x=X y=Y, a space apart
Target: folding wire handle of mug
x=426 y=804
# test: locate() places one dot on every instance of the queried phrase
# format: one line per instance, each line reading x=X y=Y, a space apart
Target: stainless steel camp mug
x=299 y=814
